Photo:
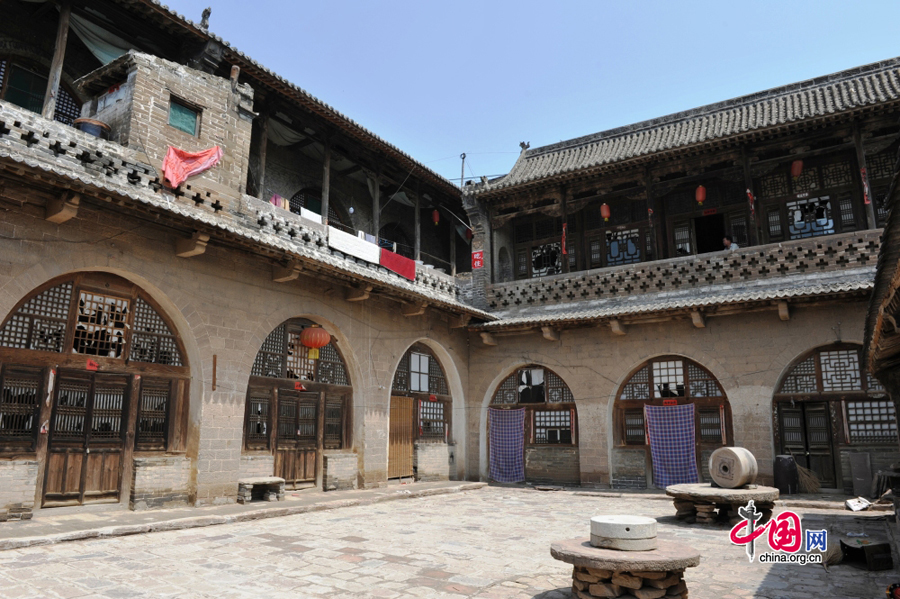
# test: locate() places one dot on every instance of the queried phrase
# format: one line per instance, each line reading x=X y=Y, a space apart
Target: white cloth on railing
x=353 y=246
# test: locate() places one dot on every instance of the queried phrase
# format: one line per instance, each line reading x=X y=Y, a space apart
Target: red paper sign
x=299 y=387
x=478 y=259
x=91 y=365
x=432 y=397
x=710 y=211
x=670 y=402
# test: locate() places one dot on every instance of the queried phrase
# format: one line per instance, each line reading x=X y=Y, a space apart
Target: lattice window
x=106 y=410
x=437 y=383
x=276 y=359
x=836 y=174
x=802 y=378
x=2 y=72
x=299 y=364
x=635 y=431
x=773 y=218
x=623 y=247
x=521 y=264
x=682 y=234
x=41 y=323
x=807 y=181
x=532 y=385
x=19 y=404
x=701 y=383
x=553 y=427
x=546 y=227
x=71 y=408
x=418 y=372
x=270 y=358
x=331 y=367
x=739 y=230
x=153 y=410
x=840 y=370
x=710 y=425
x=873 y=385
x=774 y=185
x=432 y=419
x=872 y=422
x=557 y=390
x=312 y=200
x=545 y=259
x=845 y=206
x=810 y=217
x=573 y=261
x=638 y=386
x=507 y=392
x=100 y=325
x=879 y=198
x=258 y=418
x=401 y=376
x=668 y=378
x=68 y=108
x=596 y=252
x=334 y=423
x=152 y=339
x=524 y=232
x=307 y=420
x=881 y=165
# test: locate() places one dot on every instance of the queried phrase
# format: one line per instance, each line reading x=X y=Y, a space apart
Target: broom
x=809 y=482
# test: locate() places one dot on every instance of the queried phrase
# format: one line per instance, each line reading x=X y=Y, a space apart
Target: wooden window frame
x=544 y=406
x=195 y=108
x=19 y=443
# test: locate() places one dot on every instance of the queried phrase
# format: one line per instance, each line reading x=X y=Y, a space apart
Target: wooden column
x=565 y=223
x=326 y=179
x=376 y=205
x=748 y=184
x=418 y=222
x=452 y=247
x=263 y=144
x=658 y=219
x=59 y=54
x=871 y=221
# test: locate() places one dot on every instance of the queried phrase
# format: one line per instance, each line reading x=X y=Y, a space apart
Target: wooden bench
x=269 y=488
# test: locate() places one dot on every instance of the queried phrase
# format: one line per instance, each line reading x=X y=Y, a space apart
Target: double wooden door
x=806 y=434
x=87 y=439
x=401 y=437
x=296 y=437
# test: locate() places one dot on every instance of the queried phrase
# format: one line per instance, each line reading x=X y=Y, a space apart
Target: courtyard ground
x=487 y=543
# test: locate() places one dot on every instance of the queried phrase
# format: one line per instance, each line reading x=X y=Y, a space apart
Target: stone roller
x=733 y=467
x=625 y=533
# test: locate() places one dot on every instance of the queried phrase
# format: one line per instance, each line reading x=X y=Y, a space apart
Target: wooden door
x=401 y=437
x=806 y=434
x=86 y=444
x=296 y=438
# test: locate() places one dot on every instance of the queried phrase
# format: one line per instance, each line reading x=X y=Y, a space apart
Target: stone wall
x=160 y=481
x=881 y=458
x=257 y=465
x=339 y=471
x=17 y=483
x=552 y=464
x=432 y=461
x=630 y=471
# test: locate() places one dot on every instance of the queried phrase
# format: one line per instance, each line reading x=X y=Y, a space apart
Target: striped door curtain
x=671 y=432
x=507 y=443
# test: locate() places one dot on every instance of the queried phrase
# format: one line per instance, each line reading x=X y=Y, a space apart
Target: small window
x=152 y=415
x=19 y=404
x=418 y=372
x=710 y=425
x=183 y=117
x=872 y=422
x=432 y=422
x=634 y=427
x=553 y=427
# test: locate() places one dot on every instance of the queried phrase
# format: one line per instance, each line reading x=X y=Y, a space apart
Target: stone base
x=13 y=514
x=269 y=489
x=590 y=583
x=705 y=504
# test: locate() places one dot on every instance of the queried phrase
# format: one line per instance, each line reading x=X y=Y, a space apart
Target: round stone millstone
x=733 y=467
x=624 y=544
x=623 y=527
x=668 y=556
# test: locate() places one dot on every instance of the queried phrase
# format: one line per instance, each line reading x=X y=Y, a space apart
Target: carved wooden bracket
x=698 y=319
x=784 y=312
x=62 y=208
x=488 y=339
x=196 y=245
x=617 y=327
x=550 y=334
x=358 y=294
x=283 y=274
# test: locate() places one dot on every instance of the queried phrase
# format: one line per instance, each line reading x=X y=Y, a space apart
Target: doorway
x=401 y=437
x=709 y=231
x=296 y=438
x=806 y=434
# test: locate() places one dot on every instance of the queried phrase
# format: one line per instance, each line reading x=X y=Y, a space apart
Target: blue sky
x=437 y=79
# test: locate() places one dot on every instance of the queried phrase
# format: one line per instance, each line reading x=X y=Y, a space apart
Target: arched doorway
x=667 y=381
x=116 y=381
x=533 y=429
x=827 y=408
x=297 y=406
x=419 y=430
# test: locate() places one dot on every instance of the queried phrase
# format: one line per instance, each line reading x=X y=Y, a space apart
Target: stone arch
x=434 y=460
x=827 y=407
x=666 y=379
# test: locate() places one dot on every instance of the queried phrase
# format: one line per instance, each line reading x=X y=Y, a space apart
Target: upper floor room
x=811 y=159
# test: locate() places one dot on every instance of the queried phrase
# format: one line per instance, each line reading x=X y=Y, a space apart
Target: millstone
x=624 y=544
x=623 y=527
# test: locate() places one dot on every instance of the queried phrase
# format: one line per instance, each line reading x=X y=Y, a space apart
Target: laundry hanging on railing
x=401 y=265
x=179 y=165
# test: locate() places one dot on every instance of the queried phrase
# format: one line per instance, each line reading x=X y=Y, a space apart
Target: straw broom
x=809 y=482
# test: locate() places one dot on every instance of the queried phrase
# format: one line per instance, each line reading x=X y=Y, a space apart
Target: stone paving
x=491 y=543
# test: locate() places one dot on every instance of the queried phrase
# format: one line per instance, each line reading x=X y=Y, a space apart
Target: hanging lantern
x=469 y=234
x=796 y=168
x=314 y=337
x=700 y=194
x=435 y=216
x=604 y=212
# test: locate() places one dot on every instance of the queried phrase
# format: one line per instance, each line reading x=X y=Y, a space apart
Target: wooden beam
x=417 y=224
x=263 y=144
x=550 y=334
x=488 y=339
x=461 y=321
x=62 y=208
x=194 y=246
x=698 y=319
x=56 y=65
x=326 y=180
x=358 y=294
x=416 y=309
x=617 y=327
x=349 y=171
x=784 y=312
x=283 y=274
x=868 y=200
x=376 y=206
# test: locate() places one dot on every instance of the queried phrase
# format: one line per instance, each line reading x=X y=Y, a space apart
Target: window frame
x=196 y=109
x=532 y=408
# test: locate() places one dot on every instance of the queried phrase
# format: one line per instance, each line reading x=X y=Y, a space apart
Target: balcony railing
x=831 y=253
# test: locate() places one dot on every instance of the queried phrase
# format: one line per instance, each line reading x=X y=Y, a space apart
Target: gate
x=400 y=448
x=296 y=438
x=806 y=434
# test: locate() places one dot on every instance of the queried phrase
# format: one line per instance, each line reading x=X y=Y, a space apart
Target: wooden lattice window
x=872 y=421
x=531 y=385
x=553 y=427
x=152 y=340
x=298 y=418
x=26 y=87
x=257 y=430
x=334 y=422
x=311 y=199
x=835 y=369
x=432 y=419
x=20 y=390
x=153 y=413
x=710 y=421
x=419 y=371
x=635 y=432
x=283 y=356
x=40 y=324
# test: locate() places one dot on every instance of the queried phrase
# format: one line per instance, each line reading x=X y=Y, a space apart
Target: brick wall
x=256 y=466
x=432 y=461
x=339 y=471
x=161 y=481
x=555 y=465
x=630 y=471
x=17 y=482
x=881 y=458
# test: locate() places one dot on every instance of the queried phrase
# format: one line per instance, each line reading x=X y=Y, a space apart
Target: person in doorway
x=729 y=243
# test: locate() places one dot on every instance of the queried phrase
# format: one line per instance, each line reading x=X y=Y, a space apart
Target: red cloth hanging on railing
x=401 y=265
x=179 y=165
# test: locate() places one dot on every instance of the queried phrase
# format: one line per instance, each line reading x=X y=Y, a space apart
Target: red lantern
x=435 y=216
x=796 y=168
x=700 y=194
x=604 y=212
x=469 y=234
x=314 y=337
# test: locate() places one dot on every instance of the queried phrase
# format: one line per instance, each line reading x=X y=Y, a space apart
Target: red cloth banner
x=401 y=265
x=565 y=251
x=179 y=165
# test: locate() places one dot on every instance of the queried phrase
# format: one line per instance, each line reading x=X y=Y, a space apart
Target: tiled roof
x=858 y=280
x=846 y=91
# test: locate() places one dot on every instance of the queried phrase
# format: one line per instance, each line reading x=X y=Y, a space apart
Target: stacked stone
x=269 y=488
x=706 y=513
x=685 y=510
x=589 y=583
x=16 y=512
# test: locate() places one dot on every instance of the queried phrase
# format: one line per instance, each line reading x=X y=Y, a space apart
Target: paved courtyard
x=490 y=543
